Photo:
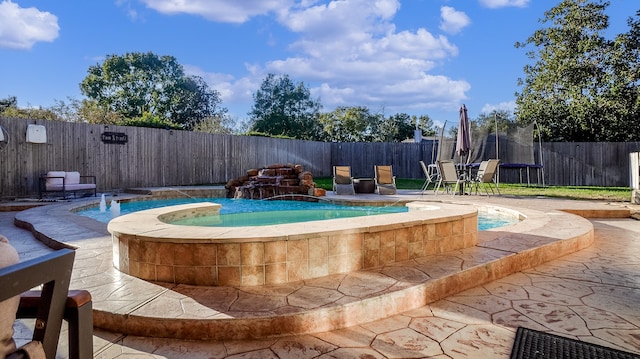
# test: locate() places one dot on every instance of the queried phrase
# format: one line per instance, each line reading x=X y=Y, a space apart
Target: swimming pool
x=234 y=212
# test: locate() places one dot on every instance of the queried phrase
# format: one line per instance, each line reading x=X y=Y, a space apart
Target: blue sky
x=417 y=57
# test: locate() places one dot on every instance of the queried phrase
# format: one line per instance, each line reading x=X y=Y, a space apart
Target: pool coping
x=153 y=222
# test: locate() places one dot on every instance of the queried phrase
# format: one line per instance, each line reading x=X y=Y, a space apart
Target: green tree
x=215 y=125
x=9 y=102
x=150 y=120
x=487 y=121
x=87 y=111
x=578 y=85
x=72 y=110
x=396 y=128
x=9 y=108
x=283 y=108
x=358 y=124
x=91 y=112
x=350 y=124
x=31 y=113
x=623 y=95
x=196 y=103
x=424 y=123
x=144 y=84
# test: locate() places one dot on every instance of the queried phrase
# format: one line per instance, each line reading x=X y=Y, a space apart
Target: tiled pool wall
x=147 y=248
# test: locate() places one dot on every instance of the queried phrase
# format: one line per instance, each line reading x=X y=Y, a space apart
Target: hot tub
x=146 y=246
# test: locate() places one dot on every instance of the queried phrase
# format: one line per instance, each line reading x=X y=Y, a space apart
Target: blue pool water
x=266 y=212
x=264 y=218
x=234 y=212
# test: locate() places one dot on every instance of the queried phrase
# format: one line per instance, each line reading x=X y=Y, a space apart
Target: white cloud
x=504 y=3
x=509 y=106
x=400 y=96
x=348 y=52
x=219 y=10
x=453 y=21
x=232 y=90
x=21 y=28
x=354 y=53
x=130 y=11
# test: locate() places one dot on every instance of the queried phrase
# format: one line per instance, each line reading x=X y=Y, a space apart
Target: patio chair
x=430 y=174
x=342 y=180
x=449 y=178
x=48 y=306
x=486 y=176
x=385 y=180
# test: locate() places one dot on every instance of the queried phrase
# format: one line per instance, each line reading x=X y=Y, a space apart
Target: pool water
x=265 y=212
x=234 y=212
x=488 y=221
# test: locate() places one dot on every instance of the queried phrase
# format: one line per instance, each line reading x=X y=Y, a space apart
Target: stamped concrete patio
x=592 y=294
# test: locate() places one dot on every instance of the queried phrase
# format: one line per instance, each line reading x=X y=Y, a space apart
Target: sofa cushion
x=8 y=307
x=55 y=183
x=71 y=178
x=80 y=186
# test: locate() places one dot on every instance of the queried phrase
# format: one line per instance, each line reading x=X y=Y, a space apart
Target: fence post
x=634 y=176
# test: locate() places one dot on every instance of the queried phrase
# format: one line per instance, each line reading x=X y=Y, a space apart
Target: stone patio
x=462 y=304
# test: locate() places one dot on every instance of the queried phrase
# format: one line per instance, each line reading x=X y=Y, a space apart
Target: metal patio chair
x=49 y=306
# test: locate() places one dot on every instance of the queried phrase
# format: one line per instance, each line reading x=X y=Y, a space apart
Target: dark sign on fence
x=114 y=137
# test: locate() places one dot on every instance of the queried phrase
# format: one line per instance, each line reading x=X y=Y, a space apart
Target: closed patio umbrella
x=463 y=141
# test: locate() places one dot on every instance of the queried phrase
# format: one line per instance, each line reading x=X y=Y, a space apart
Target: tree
x=9 y=102
x=487 y=121
x=72 y=110
x=9 y=108
x=358 y=124
x=91 y=112
x=142 y=84
x=396 y=128
x=401 y=126
x=282 y=108
x=350 y=124
x=580 y=87
x=624 y=92
x=29 y=113
x=424 y=123
x=197 y=103
x=215 y=125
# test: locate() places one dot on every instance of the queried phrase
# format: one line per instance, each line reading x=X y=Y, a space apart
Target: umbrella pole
x=440 y=142
x=495 y=116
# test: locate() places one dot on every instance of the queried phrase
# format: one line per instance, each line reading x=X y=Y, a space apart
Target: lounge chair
x=430 y=174
x=49 y=306
x=342 y=180
x=385 y=180
x=449 y=178
x=486 y=176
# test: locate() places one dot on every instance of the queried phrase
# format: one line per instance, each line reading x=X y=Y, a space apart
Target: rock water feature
x=274 y=181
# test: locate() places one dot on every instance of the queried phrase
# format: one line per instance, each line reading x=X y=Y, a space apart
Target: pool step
x=338 y=301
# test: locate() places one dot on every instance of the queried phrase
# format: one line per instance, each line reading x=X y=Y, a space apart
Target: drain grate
x=533 y=344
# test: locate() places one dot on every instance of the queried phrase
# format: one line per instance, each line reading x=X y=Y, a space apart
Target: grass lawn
x=613 y=194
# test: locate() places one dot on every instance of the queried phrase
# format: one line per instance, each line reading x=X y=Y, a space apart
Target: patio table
x=364 y=185
x=466 y=172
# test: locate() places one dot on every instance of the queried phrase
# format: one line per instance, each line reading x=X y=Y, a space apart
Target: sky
x=420 y=57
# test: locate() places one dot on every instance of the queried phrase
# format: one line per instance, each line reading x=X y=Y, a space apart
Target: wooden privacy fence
x=588 y=163
x=150 y=157
x=157 y=157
